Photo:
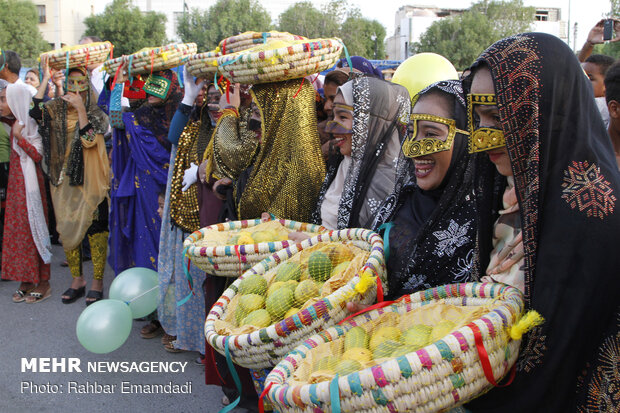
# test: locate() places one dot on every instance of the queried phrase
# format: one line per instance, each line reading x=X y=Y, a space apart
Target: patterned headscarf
x=380 y=115
x=567 y=183
x=157 y=118
x=433 y=233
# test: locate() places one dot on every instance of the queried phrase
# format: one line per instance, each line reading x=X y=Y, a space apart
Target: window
x=41 y=10
x=541 y=15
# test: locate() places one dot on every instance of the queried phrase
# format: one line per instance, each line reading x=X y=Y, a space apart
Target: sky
x=585 y=13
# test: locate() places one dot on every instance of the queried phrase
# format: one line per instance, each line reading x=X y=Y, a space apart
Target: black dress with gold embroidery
x=567 y=184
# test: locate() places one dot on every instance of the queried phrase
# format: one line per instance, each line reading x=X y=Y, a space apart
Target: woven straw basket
x=247 y=40
x=153 y=59
x=264 y=348
x=234 y=260
x=79 y=56
x=278 y=60
x=439 y=376
x=203 y=64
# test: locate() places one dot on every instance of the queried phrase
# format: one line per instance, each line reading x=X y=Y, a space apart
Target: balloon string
x=142 y=295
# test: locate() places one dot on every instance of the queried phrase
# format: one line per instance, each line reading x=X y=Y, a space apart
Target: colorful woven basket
x=280 y=60
x=203 y=65
x=439 y=376
x=153 y=59
x=247 y=40
x=264 y=348
x=234 y=260
x=81 y=55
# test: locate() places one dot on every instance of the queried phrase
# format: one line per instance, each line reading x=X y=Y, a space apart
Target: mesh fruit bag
x=295 y=293
x=428 y=351
x=231 y=248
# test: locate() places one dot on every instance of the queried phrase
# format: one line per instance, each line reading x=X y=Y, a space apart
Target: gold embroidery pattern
x=604 y=388
x=533 y=352
x=585 y=188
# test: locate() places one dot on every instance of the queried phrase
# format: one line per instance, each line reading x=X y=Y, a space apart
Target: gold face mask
x=482 y=139
x=77 y=83
x=414 y=147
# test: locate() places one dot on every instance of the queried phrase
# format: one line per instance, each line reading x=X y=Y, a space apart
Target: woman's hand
x=17 y=131
x=123 y=76
x=223 y=181
x=354 y=308
x=232 y=98
x=297 y=236
x=74 y=100
x=45 y=68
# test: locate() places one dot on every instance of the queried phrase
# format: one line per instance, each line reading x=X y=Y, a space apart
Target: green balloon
x=135 y=282
x=104 y=326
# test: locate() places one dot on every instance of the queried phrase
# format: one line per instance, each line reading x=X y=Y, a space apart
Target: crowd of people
x=509 y=174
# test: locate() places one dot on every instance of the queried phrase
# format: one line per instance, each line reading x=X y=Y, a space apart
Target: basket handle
x=235 y=376
x=261 y=399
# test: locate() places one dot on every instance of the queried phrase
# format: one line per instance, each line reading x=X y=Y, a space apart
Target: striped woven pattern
x=203 y=64
x=439 y=376
x=247 y=40
x=278 y=60
x=153 y=59
x=79 y=56
x=234 y=260
x=264 y=348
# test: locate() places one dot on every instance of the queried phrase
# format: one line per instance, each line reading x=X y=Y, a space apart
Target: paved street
x=47 y=329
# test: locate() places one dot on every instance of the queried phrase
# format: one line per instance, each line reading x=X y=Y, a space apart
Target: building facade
x=412 y=21
x=61 y=22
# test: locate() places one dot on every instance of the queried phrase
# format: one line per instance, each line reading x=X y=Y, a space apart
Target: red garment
x=20 y=258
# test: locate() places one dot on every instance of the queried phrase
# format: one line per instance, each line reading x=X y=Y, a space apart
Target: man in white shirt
x=10 y=65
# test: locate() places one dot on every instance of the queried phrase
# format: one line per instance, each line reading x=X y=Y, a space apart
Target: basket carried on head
x=247 y=40
x=80 y=55
x=279 y=60
x=233 y=260
x=444 y=373
x=153 y=59
x=265 y=347
x=203 y=65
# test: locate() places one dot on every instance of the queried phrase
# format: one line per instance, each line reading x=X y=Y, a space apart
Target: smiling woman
x=431 y=214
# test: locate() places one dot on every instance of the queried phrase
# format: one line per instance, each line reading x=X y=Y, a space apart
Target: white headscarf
x=18 y=98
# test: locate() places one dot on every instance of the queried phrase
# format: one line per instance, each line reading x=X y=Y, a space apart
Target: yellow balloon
x=422 y=70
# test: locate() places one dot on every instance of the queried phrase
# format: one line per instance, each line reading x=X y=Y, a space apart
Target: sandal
x=36 y=297
x=167 y=338
x=93 y=296
x=170 y=348
x=20 y=295
x=73 y=294
x=151 y=330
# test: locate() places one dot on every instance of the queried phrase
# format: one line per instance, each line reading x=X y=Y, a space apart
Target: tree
x=19 y=29
x=127 y=27
x=306 y=20
x=224 y=19
x=463 y=37
x=335 y=19
x=357 y=33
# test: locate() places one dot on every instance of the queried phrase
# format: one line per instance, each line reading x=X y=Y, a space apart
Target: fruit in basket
x=319 y=266
x=326 y=363
x=385 y=348
x=253 y=284
x=279 y=302
x=363 y=355
x=338 y=253
x=258 y=318
x=305 y=291
x=340 y=268
x=348 y=366
x=417 y=335
x=441 y=329
x=356 y=338
x=382 y=334
x=251 y=302
x=265 y=236
x=288 y=271
x=275 y=286
x=404 y=349
x=291 y=312
x=244 y=238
